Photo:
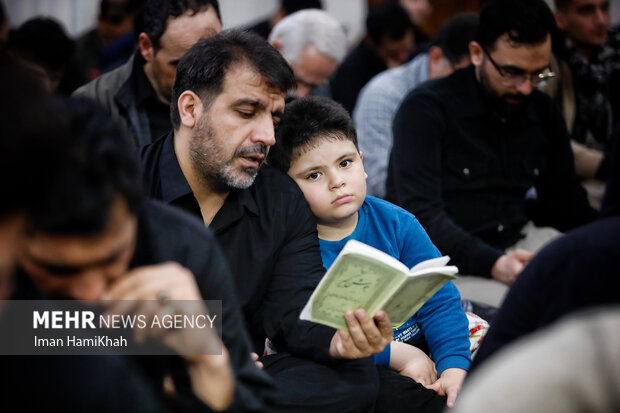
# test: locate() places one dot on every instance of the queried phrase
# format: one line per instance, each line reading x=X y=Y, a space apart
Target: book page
x=354 y=281
x=416 y=290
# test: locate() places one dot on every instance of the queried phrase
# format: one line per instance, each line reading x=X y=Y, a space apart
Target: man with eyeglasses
x=482 y=157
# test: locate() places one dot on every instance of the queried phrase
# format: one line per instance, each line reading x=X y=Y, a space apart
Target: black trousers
x=305 y=385
x=398 y=393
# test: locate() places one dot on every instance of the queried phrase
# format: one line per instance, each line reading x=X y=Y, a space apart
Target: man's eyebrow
x=521 y=70
x=249 y=102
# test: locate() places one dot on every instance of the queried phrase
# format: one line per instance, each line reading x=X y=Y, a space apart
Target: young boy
x=317 y=147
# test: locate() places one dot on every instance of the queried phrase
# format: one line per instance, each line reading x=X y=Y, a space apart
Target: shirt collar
x=174 y=185
x=142 y=85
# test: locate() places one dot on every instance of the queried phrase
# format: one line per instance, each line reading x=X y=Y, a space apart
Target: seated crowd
x=161 y=157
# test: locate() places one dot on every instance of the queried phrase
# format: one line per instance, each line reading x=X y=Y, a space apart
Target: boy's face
x=332 y=178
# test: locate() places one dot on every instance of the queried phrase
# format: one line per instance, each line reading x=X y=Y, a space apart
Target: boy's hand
x=412 y=362
x=364 y=338
x=449 y=384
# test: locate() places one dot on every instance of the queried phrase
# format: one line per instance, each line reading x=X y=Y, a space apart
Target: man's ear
x=146 y=47
x=277 y=45
x=190 y=108
x=560 y=20
x=475 y=52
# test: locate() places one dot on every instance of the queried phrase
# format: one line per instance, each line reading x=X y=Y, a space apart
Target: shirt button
x=500 y=228
x=466 y=171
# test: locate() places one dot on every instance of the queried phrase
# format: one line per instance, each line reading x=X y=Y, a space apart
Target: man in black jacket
x=479 y=154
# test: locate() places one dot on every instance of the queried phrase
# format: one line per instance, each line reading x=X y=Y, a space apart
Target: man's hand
x=449 y=384
x=412 y=362
x=364 y=338
x=140 y=292
x=509 y=266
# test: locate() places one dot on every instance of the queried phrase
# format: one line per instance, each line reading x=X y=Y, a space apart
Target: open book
x=364 y=277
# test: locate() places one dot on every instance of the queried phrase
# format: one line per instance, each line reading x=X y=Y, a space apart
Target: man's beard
x=209 y=163
x=499 y=103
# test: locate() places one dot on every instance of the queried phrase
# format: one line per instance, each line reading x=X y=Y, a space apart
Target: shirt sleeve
x=561 y=200
x=442 y=319
x=416 y=168
x=373 y=117
x=296 y=274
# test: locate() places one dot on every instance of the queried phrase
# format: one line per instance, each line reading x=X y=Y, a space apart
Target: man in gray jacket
x=137 y=94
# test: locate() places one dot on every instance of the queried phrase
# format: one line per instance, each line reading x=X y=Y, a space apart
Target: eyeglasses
x=515 y=77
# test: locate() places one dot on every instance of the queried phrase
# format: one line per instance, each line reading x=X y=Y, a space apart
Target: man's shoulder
x=103 y=88
x=172 y=226
x=271 y=181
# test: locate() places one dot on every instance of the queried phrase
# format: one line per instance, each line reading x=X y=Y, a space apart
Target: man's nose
x=89 y=286
x=264 y=131
x=525 y=88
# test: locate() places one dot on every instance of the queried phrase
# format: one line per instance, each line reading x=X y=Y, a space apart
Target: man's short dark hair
x=455 y=35
x=525 y=21
x=99 y=167
x=43 y=41
x=387 y=20
x=304 y=124
x=30 y=139
x=292 y=6
x=562 y=4
x=157 y=12
x=203 y=68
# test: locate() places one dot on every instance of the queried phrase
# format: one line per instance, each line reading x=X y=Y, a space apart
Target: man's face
x=513 y=60
x=331 y=176
x=234 y=134
x=10 y=232
x=81 y=267
x=585 y=22
x=312 y=69
x=418 y=10
x=181 y=33
x=395 y=52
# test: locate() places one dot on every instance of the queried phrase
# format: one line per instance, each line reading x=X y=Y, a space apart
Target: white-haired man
x=313 y=43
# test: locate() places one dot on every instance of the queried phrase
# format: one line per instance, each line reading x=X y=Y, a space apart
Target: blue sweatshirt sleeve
x=442 y=319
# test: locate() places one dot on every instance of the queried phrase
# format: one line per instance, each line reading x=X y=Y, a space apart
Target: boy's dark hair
x=203 y=68
x=387 y=20
x=292 y=6
x=30 y=137
x=306 y=122
x=99 y=166
x=44 y=42
x=525 y=21
x=455 y=35
x=156 y=13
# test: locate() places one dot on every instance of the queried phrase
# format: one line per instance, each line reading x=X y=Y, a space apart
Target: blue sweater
x=441 y=320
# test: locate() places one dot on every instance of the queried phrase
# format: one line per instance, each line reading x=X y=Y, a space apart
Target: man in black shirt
x=137 y=94
x=229 y=92
x=480 y=153
x=92 y=237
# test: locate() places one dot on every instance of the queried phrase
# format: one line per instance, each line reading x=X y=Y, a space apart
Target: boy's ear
x=362 y=158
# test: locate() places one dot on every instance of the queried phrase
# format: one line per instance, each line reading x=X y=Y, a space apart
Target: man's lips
x=343 y=199
x=252 y=160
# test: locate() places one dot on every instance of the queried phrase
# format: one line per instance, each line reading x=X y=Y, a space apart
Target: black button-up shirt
x=167 y=234
x=269 y=236
x=474 y=179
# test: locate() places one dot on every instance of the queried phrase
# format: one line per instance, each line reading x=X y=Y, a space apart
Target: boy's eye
x=345 y=163
x=313 y=176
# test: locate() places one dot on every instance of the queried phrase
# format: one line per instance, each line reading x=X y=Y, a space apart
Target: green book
x=364 y=277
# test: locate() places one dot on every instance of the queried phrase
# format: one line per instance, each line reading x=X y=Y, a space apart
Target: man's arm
x=416 y=166
x=373 y=117
x=562 y=202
